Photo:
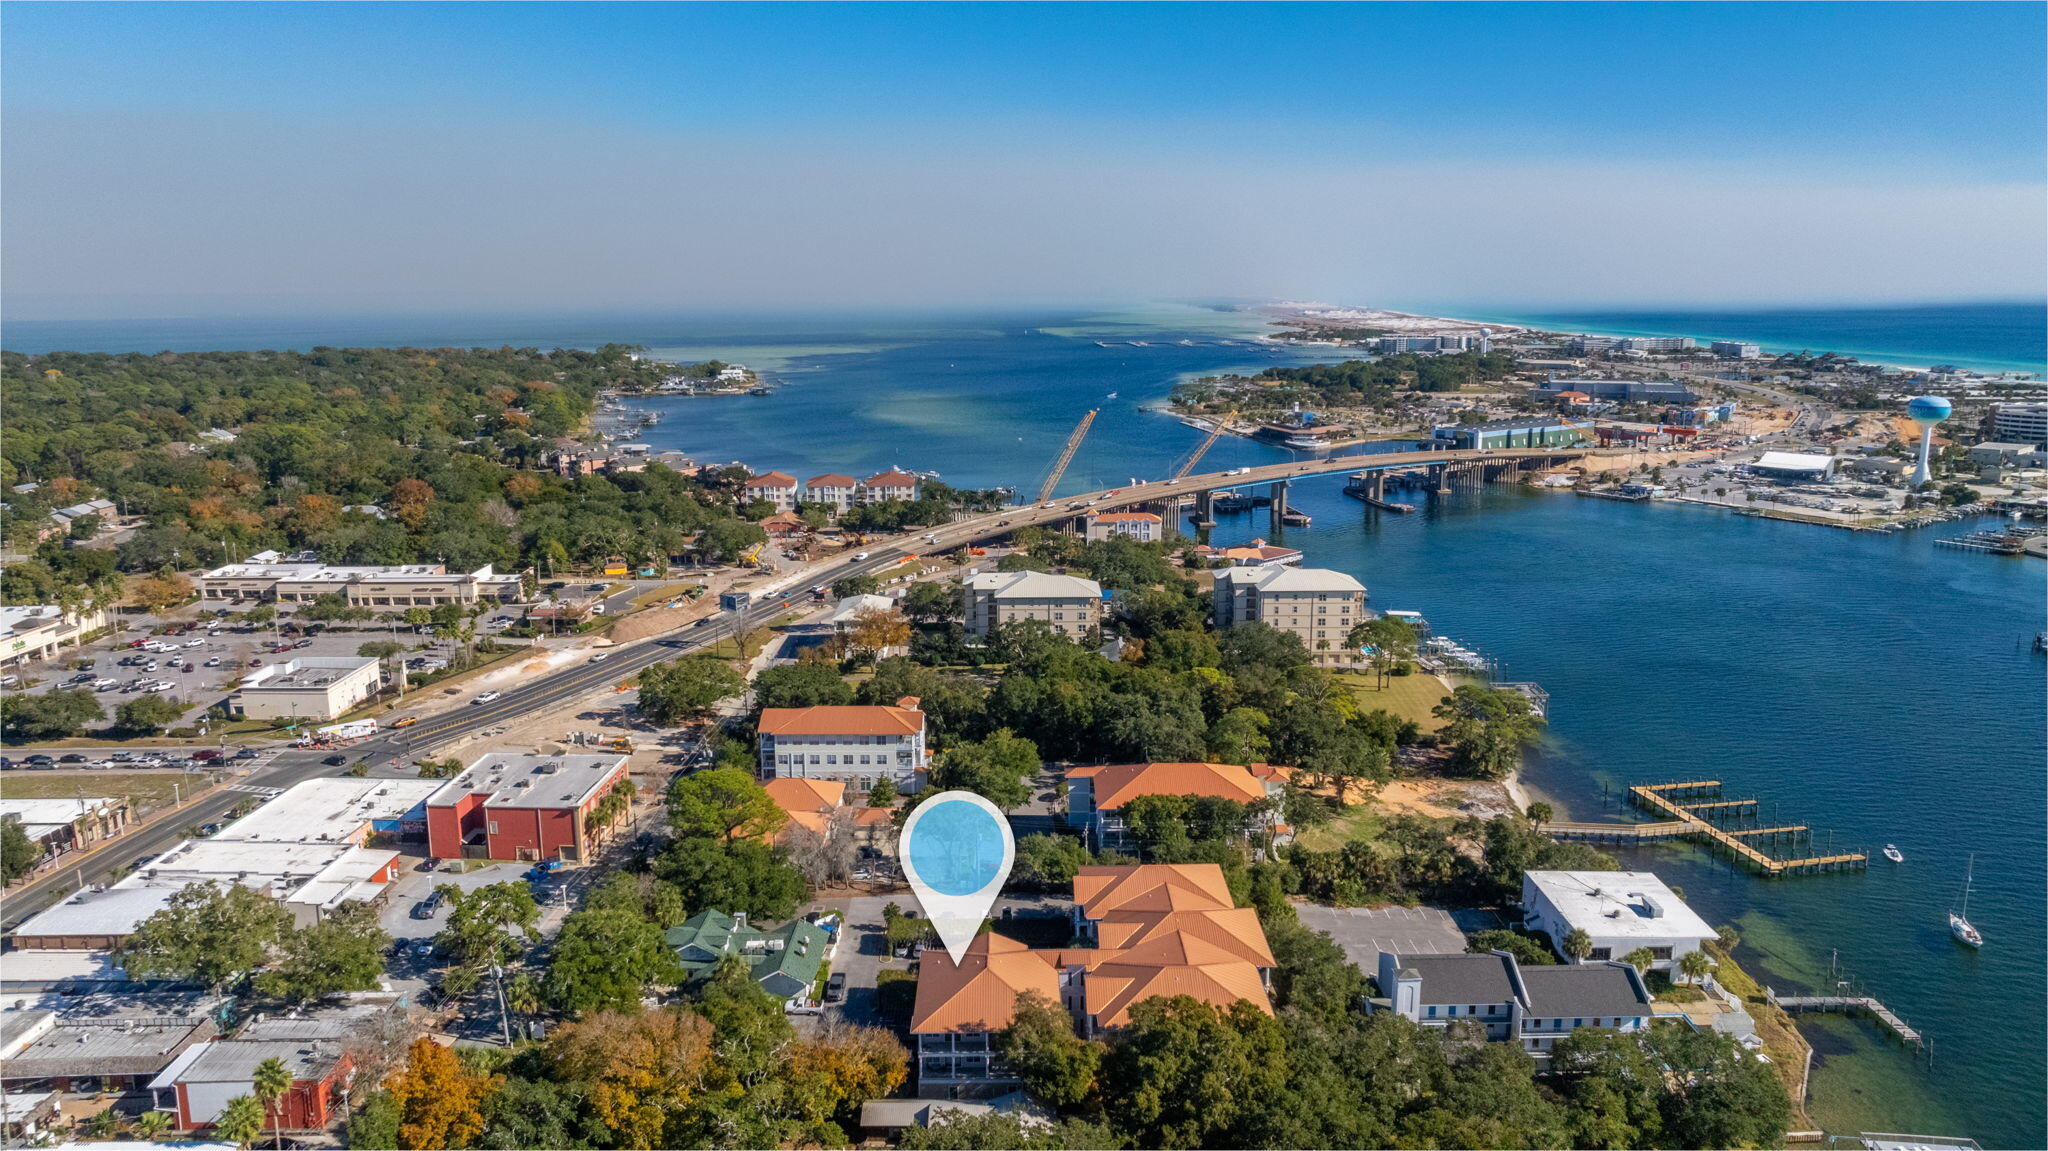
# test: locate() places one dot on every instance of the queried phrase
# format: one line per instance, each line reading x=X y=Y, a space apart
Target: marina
x=1695 y=810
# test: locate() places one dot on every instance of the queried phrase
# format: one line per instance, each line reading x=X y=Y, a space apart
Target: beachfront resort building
x=1623 y=391
x=33 y=632
x=1319 y=605
x=1070 y=604
x=1158 y=930
x=778 y=488
x=1533 y=1006
x=1736 y=350
x=2025 y=423
x=522 y=805
x=1620 y=911
x=833 y=490
x=854 y=745
x=1145 y=527
x=309 y=687
x=269 y=575
x=1097 y=795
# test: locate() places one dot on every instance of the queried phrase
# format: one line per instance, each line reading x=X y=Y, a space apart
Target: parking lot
x=1364 y=932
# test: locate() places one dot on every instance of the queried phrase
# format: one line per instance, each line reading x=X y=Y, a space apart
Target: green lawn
x=145 y=789
x=1408 y=696
x=1357 y=823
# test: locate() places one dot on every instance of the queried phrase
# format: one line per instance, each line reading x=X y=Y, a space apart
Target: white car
x=195 y=643
x=600 y=657
x=858 y=556
x=161 y=685
x=153 y=761
x=103 y=683
x=485 y=698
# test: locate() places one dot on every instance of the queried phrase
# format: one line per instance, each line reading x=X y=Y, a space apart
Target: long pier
x=1851 y=1005
x=1693 y=809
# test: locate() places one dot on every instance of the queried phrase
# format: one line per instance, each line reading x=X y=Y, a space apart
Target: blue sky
x=1534 y=154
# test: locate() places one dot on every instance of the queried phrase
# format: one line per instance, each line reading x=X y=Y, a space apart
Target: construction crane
x=1059 y=466
x=1188 y=462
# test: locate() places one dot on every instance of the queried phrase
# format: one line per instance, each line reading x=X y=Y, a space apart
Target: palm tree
x=1695 y=965
x=1640 y=959
x=1577 y=945
x=154 y=1125
x=240 y=1122
x=271 y=1081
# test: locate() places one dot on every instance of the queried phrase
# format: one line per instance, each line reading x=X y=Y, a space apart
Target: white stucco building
x=1619 y=911
x=1070 y=604
x=1317 y=604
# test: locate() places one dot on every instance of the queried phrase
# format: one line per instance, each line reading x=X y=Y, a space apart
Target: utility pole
x=504 y=1020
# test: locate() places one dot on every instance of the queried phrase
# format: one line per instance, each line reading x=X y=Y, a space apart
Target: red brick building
x=198 y=1087
x=522 y=806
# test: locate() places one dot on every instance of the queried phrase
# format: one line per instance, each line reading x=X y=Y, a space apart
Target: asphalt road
x=293 y=766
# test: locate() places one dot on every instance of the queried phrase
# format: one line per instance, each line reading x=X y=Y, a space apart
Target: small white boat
x=1892 y=853
x=1110 y=396
x=1959 y=921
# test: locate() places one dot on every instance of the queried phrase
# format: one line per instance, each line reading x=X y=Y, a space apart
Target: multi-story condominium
x=269 y=576
x=1626 y=391
x=1582 y=345
x=2024 y=423
x=1317 y=604
x=1158 y=930
x=833 y=490
x=1658 y=344
x=1735 y=350
x=1097 y=796
x=1144 y=527
x=1072 y=605
x=1620 y=911
x=889 y=485
x=855 y=745
x=778 y=488
x=30 y=632
x=1533 y=1006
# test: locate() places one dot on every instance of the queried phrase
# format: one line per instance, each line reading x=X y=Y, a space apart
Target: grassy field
x=1358 y=822
x=1408 y=696
x=145 y=789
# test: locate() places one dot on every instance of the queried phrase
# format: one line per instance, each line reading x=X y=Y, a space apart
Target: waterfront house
x=1532 y=1006
x=1318 y=605
x=1256 y=554
x=849 y=744
x=778 y=488
x=1145 y=527
x=833 y=490
x=1620 y=911
x=1070 y=604
x=1097 y=795
x=889 y=485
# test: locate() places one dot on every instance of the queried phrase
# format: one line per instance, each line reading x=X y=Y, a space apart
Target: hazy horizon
x=267 y=160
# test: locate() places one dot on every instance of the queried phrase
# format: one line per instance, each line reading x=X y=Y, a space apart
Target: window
x=1432 y=1012
x=1453 y=1011
x=1600 y=954
x=1557 y=1025
x=1660 y=953
x=1578 y=1023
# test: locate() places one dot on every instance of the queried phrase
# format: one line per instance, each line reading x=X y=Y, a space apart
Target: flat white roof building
x=1793 y=463
x=1619 y=911
x=392 y=587
x=1070 y=604
x=338 y=810
x=310 y=687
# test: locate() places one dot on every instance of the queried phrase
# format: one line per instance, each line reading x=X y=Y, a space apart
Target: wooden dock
x=1693 y=809
x=1850 y=1005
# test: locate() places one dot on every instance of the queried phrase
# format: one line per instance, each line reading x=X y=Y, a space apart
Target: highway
x=561 y=687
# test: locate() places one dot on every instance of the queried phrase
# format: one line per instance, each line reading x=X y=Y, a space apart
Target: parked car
x=335 y=760
x=212 y=661
x=835 y=987
x=428 y=908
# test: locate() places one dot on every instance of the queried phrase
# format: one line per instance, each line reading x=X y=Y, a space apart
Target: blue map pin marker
x=956 y=851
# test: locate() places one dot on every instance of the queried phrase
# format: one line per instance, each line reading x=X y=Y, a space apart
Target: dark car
x=429 y=907
x=835 y=987
x=74 y=758
x=206 y=753
x=335 y=760
x=246 y=753
x=40 y=761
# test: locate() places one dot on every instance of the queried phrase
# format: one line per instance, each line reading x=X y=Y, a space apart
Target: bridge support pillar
x=1205 y=509
x=1439 y=479
x=1274 y=522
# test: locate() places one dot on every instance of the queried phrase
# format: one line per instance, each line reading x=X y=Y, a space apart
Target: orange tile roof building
x=1096 y=796
x=1158 y=930
x=833 y=490
x=1145 y=527
x=778 y=488
x=812 y=804
x=889 y=485
x=847 y=744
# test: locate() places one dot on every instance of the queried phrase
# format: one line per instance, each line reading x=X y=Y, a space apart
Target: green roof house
x=785 y=961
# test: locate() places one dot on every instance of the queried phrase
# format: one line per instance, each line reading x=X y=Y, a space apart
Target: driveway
x=413 y=885
x=1364 y=932
x=864 y=954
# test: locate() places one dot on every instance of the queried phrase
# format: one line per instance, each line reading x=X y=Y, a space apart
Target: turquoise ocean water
x=1876 y=686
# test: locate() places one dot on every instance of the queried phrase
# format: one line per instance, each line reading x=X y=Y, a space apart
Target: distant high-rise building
x=1735 y=350
x=2022 y=423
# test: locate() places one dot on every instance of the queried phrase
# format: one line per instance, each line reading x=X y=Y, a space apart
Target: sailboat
x=1959 y=921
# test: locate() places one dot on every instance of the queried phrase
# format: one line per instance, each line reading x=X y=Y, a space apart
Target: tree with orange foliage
x=314 y=512
x=645 y=1073
x=876 y=630
x=410 y=499
x=440 y=1103
x=833 y=1074
x=162 y=591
